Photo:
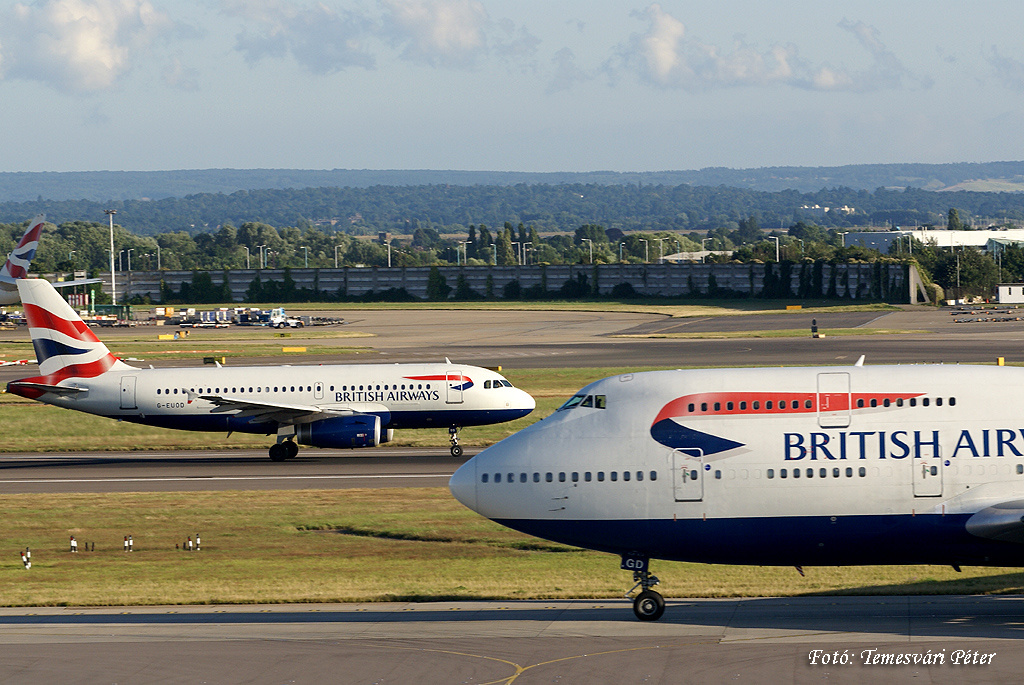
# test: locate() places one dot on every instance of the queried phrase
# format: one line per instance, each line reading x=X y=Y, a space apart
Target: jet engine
x=358 y=430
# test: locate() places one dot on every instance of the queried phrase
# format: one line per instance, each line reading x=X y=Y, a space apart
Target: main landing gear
x=648 y=605
x=453 y=435
x=286 y=449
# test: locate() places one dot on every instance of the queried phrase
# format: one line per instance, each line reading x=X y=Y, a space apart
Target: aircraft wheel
x=291 y=449
x=456 y=450
x=649 y=606
x=278 y=452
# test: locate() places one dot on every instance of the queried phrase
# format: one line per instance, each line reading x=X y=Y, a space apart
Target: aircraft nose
x=526 y=400
x=463 y=484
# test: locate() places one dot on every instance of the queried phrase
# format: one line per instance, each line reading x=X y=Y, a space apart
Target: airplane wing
x=1003 y=521
x=80 y=281
x=264 y=412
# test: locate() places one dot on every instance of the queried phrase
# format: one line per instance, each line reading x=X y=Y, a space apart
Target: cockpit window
x=572 y=402
x=600 y=402
x=487 y=385
x=588 y=402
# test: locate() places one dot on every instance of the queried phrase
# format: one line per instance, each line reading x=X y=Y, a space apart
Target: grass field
x=360 y=545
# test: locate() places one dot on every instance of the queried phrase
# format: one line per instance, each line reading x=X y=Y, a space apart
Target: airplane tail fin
x=21 y=256
x=64 y=345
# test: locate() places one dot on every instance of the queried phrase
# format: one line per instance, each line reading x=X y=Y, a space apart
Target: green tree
x=954 y=223
x=437 y=285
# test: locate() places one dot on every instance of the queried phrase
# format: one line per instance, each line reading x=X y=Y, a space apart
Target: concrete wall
x=848 y=281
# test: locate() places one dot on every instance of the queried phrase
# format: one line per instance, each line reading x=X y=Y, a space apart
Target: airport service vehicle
x=829 y=466
x=348 y=406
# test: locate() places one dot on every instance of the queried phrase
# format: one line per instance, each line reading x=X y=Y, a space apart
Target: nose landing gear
x=453 y=435
x=648 y=605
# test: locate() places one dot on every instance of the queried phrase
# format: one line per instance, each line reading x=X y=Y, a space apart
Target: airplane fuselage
x=402 y=395
x=791 y=466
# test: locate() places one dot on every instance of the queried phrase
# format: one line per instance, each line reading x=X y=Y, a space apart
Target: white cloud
x=437 y=32
x=664 y=55
x=1007 y=70
x=566 y=73
x=177 y=75
x=320 y=39
x=78 y=45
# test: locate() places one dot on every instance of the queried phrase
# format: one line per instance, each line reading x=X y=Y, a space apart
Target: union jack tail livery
x=65 y=347
x=17 y=263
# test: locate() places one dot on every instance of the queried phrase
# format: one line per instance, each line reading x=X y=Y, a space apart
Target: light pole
x=526 y=254
x=465 y=252
x=621 y=245
x=305 y=257
x=246 y=256
x=119 y=253
x=588 y=240
x=158 y=267
x=113 y=279
x=130 y=250
x=389 y=255
x=647 y=252
x=336 y=256
x=776 y=239
x=494 y=253
x=661 y=250
x=518 y=253
x=263 y=256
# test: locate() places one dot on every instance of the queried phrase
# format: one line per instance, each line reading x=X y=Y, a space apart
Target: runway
x=701 y=641
x=193 y=470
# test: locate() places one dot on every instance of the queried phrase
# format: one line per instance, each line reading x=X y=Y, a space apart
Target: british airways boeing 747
x=919 y=464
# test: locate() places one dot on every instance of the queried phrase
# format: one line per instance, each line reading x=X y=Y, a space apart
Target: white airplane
x=321 y=406
x=17 y=263
x=831 y=466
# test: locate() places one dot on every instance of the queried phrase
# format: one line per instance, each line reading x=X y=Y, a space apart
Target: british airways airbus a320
x=919 y=464
x=323 y=406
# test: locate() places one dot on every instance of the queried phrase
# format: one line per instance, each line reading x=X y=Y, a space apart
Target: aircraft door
x=318 y=390
x=128 y=392
x=688 y=474
x=927 y=472
x=454 y=385
x=834 y=402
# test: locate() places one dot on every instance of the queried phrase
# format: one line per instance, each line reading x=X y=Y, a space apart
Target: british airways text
x=999 y=442
x=389 y=396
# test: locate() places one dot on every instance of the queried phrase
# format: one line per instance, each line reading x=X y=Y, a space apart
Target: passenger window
x=703 y=406
x=522 y=477
x=690 y=407
x=588 y=402
x=899 y=401
x=625 y=475
x=728 y=406
x=158 y=391
x=938 y=401
x=807 y=404
x=913 y=401
x=810 y=473
x=743 y=406
x=575 y=477
x=860 y=403
x=925 y=401
x=757 y=404
x=718 y=406
x=874 y=402
x=600 y=476
x=952 y=401
x=654 y=475
x=770 y=473
x=768 y=404
x=885 y=402
x=823 y=473
x=511 y=478
x=862 y=472
x=586 y=476
x=614 y=476
x=1020 y=468
x=796 y=473
x=483 y=478
x=835 y=472
x=549 y=477
x=497 y=478
x=849 y=472
x=536 y=477
x=600 y=402
x=561 y=476
x=782 y=404
x=639 y=475
x=782 y=473
x=718 y=474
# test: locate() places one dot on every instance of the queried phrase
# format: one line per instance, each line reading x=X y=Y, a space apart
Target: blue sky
x=513 y=86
